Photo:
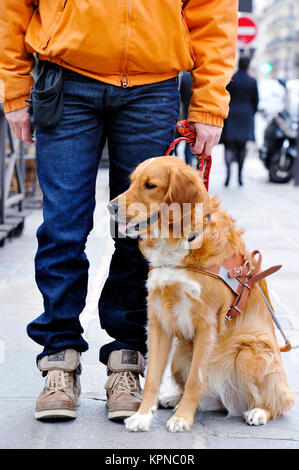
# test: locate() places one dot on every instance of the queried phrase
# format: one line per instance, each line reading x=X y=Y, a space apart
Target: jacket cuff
x=15 y=104
x=205 y=118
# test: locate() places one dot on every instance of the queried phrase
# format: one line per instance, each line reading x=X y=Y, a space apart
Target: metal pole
x=296 y=163
x=2 y=164
x=23 y=174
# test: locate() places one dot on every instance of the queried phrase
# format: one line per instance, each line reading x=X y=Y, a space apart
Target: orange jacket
x=123 y=42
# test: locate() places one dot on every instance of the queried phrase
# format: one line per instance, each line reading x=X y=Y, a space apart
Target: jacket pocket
x=50 y=14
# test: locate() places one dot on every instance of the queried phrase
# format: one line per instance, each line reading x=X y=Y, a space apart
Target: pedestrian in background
x=239 y=125
x=117 y=63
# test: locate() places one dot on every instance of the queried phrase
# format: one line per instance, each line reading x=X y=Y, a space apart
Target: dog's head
x=164 y=191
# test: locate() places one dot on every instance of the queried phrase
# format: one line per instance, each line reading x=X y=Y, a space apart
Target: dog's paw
x=170 y=401
x=140 y=422
x=176 y=424
x=255 y=417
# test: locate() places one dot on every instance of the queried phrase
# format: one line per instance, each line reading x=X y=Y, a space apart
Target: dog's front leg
x=159 y=343
x=203 y=343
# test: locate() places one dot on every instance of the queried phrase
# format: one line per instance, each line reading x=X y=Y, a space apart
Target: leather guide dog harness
x=240 y=275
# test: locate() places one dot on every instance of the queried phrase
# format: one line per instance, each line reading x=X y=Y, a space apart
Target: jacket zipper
x=124 y=78
x=124 y=81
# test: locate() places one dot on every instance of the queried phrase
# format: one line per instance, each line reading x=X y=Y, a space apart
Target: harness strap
x=217 y=272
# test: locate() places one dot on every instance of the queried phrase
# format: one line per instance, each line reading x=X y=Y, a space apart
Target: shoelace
x=123 y=382
x=57 y=380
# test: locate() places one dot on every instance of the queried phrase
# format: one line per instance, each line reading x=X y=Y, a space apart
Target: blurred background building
x=274 y=56
x=277 y=43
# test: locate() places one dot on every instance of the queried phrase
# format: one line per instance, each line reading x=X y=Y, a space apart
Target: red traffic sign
x=247 y=30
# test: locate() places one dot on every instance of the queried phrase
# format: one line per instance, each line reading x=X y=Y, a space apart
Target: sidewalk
x=268 y=212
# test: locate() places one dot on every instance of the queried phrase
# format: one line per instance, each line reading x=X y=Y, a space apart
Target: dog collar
x=143 y=224
x=148 y=222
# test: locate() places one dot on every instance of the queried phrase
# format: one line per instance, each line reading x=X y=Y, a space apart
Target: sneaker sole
x=120 y=414
x=56 y=413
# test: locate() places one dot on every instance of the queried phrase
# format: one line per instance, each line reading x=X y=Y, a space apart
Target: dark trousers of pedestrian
x=138 y=123
x=234 y=150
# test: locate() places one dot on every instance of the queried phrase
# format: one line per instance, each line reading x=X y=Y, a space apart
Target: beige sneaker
x=61 y=394
x=123 y=387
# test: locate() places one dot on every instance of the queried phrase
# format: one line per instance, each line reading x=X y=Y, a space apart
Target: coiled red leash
x=188 y=135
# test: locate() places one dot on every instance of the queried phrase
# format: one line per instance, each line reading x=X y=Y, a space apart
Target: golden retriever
x=233 y=365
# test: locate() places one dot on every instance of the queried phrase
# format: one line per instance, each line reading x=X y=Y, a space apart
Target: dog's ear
x=185 y=187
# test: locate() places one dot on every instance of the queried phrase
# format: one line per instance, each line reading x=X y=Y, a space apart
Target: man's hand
x=20 y=125
x=207 y=137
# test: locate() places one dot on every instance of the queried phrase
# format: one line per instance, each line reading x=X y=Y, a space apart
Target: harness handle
x=188 y=135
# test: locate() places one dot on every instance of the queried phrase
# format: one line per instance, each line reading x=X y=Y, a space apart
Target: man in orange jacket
x=118 y=62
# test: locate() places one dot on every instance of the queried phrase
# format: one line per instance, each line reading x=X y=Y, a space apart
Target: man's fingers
x=18 y=131
x=26 y=134
x=12 y=127
x=20 y=124
x=198 y=147
x=207 y=136
x=208 y=148
x=218 y=136
x=22 y=132
x=203 y=144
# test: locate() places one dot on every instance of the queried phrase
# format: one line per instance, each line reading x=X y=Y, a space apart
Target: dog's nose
x=112 y=207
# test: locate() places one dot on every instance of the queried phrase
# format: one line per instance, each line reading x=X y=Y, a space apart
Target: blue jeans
x=139 y=123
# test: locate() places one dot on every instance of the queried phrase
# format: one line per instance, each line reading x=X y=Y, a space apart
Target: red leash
x=205 y=162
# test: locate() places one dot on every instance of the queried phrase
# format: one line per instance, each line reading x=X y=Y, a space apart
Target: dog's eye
x=149 y=185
